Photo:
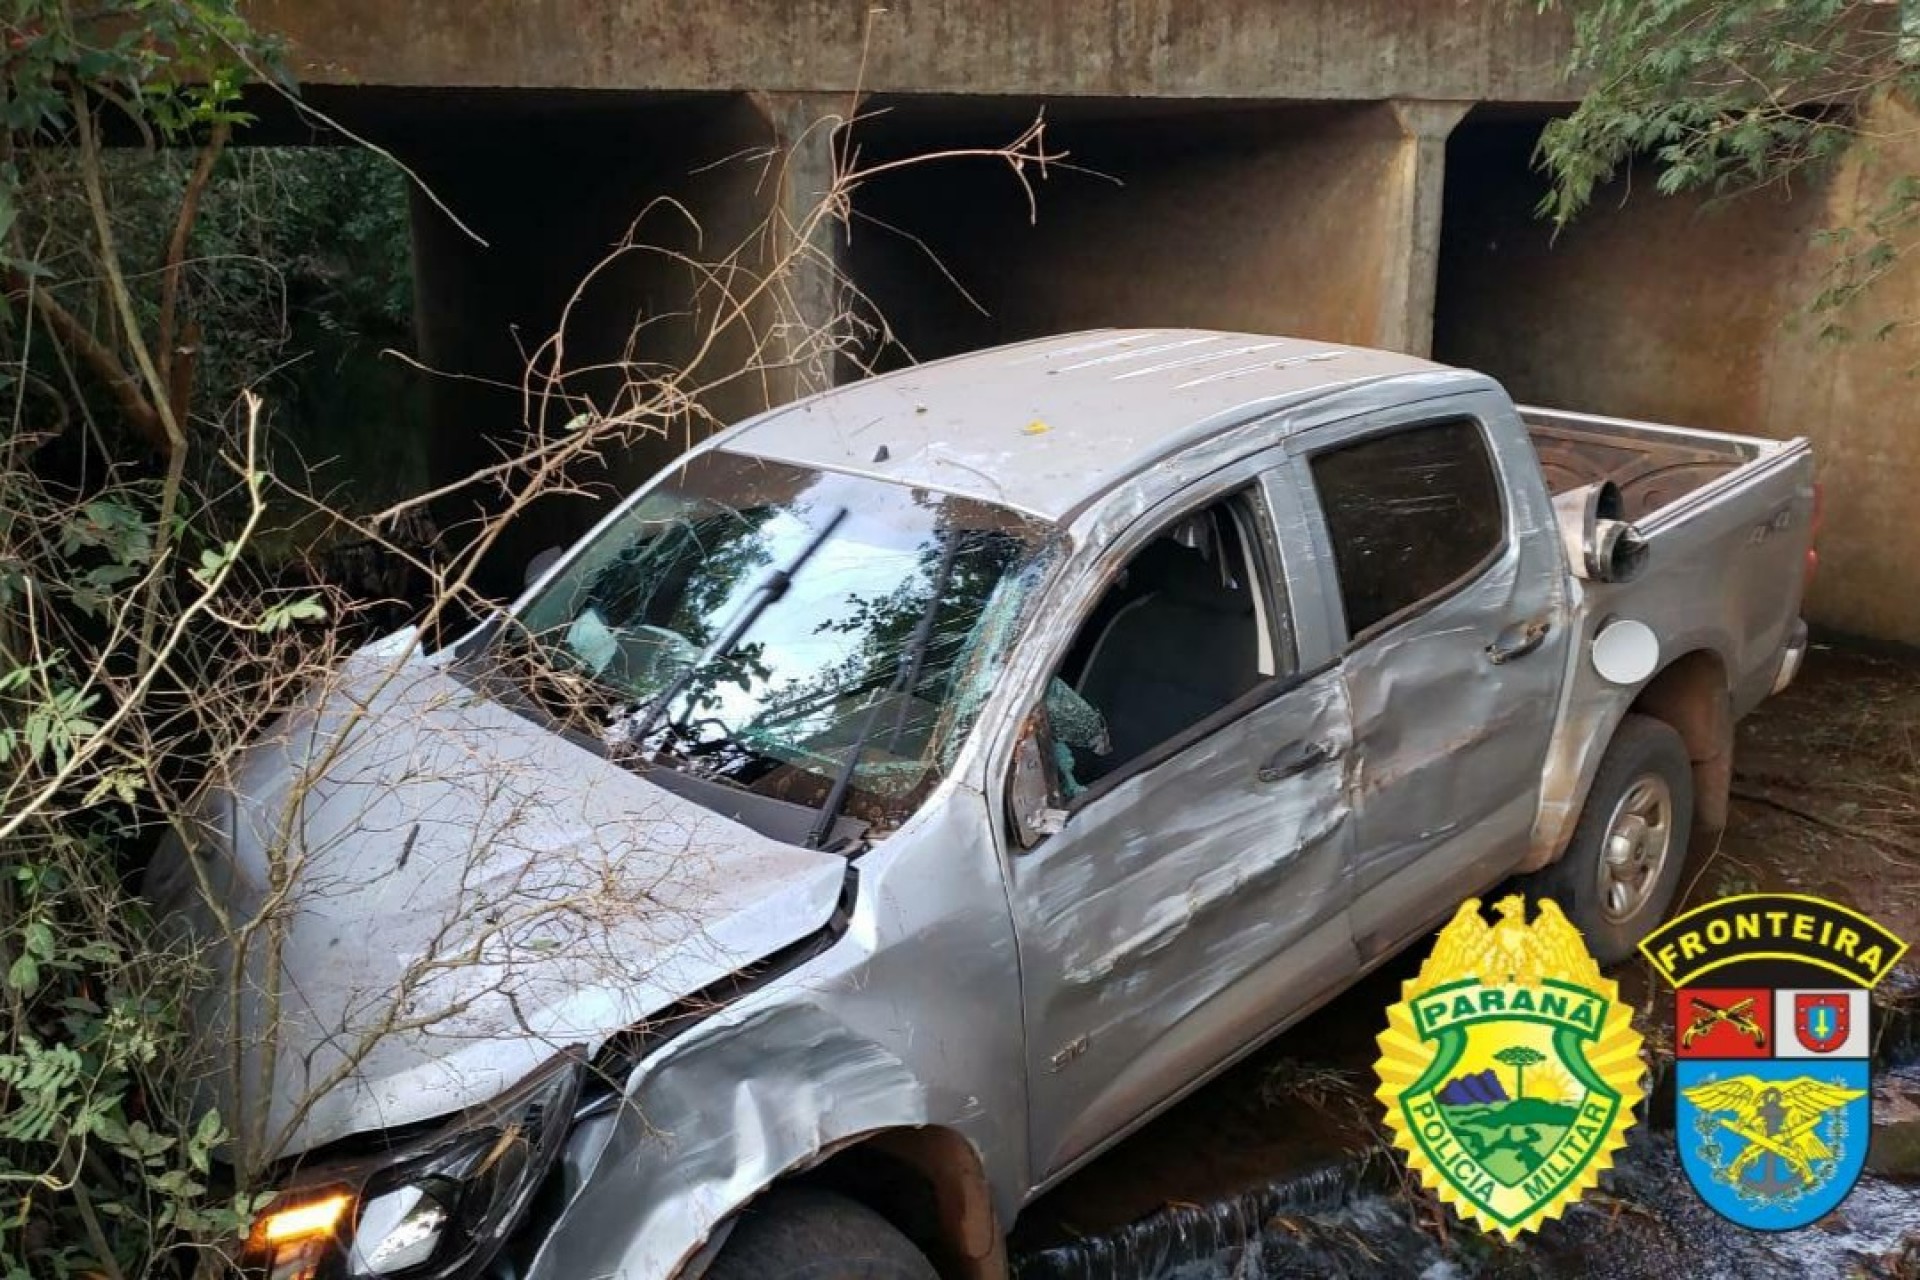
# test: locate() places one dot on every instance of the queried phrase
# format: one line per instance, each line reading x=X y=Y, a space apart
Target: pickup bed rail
x=1654 y=465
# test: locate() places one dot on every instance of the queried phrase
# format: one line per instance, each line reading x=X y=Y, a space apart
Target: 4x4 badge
x=1509 y=1068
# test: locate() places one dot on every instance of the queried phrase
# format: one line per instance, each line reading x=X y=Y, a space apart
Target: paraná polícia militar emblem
x=1773 y=1089
x=1509 y=1068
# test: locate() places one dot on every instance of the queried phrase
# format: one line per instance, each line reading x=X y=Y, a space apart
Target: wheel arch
x=1692 y=695
x=928 y=1181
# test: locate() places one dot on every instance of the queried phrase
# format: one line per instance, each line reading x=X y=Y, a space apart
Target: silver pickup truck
x=920 y=786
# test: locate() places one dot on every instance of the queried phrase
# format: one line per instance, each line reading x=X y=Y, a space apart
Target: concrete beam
x=1256 y=50
x=1415 y=201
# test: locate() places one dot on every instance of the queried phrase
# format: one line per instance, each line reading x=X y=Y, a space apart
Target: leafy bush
x=115 y=264
x=153 y=616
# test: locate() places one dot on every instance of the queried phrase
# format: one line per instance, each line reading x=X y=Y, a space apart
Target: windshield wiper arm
x=770 y=590
x=911 y=660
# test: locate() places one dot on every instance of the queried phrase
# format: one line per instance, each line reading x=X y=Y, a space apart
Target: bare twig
x=173 y=269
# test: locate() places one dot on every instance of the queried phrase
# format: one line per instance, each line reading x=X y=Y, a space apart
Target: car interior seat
x=1184 y=646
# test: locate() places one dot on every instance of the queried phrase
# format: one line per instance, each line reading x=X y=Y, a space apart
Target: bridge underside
x=1389 y=205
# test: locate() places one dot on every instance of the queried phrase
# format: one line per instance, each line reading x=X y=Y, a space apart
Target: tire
x=803 y=1234
x=1611 y=905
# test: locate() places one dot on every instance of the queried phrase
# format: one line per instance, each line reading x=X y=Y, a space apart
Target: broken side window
x=1185 y=631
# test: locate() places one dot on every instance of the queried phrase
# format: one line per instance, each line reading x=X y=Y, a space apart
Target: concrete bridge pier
x=806 y=313
x=1412 y=266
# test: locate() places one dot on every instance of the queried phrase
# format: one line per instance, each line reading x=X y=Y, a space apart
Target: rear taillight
x=1813 y=534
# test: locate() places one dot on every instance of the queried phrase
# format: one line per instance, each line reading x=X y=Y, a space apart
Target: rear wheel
x=1620 y=870
x=802 y=1234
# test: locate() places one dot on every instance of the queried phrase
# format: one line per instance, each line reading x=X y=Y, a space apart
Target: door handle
x=1518 y=640
x=1296 y=759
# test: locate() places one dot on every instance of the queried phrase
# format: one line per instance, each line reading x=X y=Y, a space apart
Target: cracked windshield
x=776 y=627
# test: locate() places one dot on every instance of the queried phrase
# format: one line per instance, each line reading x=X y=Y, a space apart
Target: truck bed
x=1727 y=520
x=1655 y=466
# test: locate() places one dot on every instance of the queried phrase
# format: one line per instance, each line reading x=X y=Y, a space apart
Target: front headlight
x=437 y=1210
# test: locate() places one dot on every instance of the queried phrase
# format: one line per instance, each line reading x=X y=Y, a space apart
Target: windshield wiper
x=911 y=660
x=770 y=590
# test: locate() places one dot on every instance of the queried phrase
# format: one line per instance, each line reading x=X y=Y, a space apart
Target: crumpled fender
x=714 y=1120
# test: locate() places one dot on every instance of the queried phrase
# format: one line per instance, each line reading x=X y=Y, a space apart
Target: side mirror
x=1031 y=803
x=1601 y=544
x=541 y=563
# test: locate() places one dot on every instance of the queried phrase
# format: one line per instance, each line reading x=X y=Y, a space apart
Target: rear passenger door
x=1437 y=534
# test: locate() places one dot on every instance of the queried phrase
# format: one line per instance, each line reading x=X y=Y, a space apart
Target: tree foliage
x=1727 y=96
x=1722 y=94
x=171 y=72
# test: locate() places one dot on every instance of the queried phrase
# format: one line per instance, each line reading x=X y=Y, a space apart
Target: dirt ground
x=1827 y=801
x=1827 y=791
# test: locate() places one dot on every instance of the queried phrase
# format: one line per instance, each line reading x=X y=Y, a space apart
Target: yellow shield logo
x=1509 y=1069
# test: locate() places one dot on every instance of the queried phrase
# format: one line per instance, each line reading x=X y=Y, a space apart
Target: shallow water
x=1348 y=1222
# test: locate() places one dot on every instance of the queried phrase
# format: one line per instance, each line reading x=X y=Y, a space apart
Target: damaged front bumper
x=439 y=1206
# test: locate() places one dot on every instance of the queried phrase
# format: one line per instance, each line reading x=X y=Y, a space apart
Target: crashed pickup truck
x=918 y=787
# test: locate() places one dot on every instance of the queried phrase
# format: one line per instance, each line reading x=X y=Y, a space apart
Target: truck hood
x=455 y=895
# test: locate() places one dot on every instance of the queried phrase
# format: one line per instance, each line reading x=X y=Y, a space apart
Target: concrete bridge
x=1355 y=170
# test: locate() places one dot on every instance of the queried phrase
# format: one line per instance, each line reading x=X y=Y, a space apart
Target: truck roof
x=1047 y=426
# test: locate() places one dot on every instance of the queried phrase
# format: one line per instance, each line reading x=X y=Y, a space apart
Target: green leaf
x=23 y=975
x=281 y=616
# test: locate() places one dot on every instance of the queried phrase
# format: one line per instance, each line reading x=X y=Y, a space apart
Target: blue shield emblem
x=1773 y=1145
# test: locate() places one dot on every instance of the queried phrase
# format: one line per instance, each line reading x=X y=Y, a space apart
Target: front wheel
x=803 y=1234
x=1620 y=870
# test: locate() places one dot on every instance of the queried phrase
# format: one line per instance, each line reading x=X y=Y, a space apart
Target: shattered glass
x=650 y=601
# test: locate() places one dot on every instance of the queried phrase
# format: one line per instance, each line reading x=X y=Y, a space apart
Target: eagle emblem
x=1509 y=1068
x=1773 y=1135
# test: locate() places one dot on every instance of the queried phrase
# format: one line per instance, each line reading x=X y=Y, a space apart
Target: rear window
x=1410 y=515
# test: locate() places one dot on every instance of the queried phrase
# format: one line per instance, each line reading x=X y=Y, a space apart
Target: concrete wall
x=552 y=186
x=1278 y=219
x=1692 y=311
x=1467 y=50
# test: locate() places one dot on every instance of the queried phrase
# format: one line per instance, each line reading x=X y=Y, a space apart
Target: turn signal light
x=293 y=1239
x=303 y=1221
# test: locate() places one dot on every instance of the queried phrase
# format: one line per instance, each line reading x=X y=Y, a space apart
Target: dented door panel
x=1445 y=774
x=1179 y=917
x=1192 y=909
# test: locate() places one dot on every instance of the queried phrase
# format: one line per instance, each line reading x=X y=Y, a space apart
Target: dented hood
x=466 y=894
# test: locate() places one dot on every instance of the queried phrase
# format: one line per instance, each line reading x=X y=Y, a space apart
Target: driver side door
x=1194 y=900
